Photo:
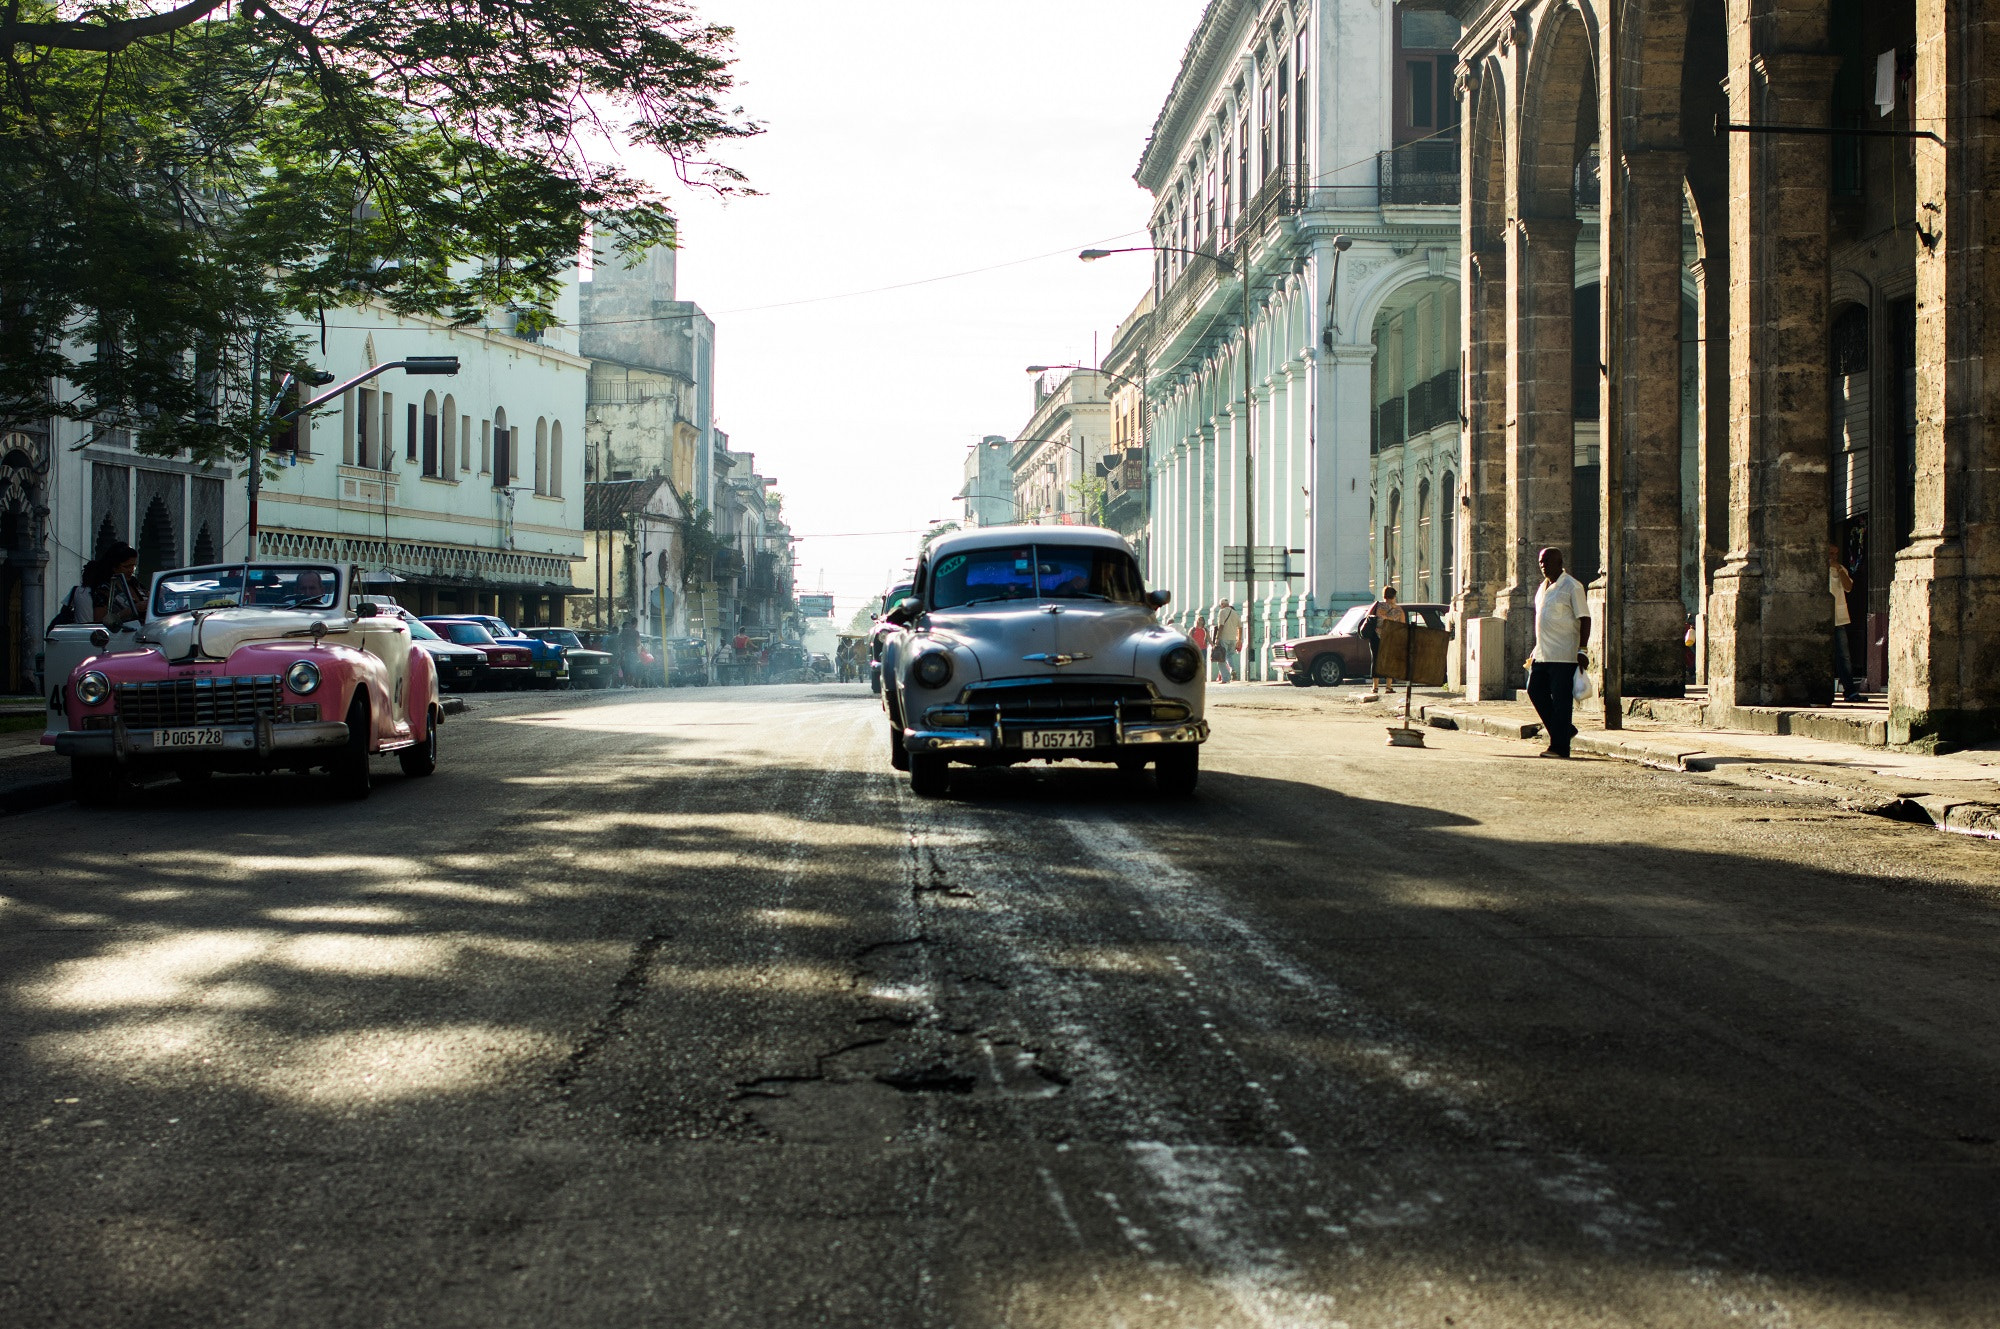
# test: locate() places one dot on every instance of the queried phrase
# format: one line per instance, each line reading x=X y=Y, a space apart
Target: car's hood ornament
x=1055 y=659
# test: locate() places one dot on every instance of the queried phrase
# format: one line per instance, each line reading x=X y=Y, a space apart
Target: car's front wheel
x=1326 y=671
x=930 y=775
x=1177 y=770
x=899 y=755
x=350 y=768
x=423 y=758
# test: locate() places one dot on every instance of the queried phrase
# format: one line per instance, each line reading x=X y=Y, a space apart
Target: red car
x=1342 y=652
x=506 y=666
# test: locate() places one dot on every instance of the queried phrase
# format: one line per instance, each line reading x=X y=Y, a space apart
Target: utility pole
x=1249 y=467
x=255 y=480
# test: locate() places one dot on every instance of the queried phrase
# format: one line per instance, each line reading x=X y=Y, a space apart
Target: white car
x=1039 y=643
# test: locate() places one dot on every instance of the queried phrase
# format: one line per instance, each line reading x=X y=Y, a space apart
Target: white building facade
x=1054 y=461
x=467 y=492
x=1293 y=154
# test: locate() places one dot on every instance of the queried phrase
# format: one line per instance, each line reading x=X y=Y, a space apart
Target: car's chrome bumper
x=237 y=740
x=996 y=739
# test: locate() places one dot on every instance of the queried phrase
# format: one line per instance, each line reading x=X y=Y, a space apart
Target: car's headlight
x=932 y=670
x=93 y=688
x=303 y=677
x=1181 y=664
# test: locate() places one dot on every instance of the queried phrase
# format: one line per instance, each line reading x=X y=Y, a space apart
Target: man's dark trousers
x=1552 y=688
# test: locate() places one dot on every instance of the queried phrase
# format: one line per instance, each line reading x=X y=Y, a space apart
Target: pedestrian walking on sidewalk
x=1562 y=630
x=1838 y=583
x=1385 y=610
x=1226 y=640
x=1199 y=634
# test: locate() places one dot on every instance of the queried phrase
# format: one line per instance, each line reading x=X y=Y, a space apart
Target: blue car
x=551 y=665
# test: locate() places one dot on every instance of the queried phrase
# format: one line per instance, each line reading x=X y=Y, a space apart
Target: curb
x=1946 y=812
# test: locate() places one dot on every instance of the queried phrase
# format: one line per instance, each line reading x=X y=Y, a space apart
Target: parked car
x=550 y=669
x=881 y=633
x=1038 y=643
x=588 y=668
x=1341 y=652
x=245 y=667
x=459 y=668
x=507 y=665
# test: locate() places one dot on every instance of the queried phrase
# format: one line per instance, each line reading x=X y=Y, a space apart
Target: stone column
x=1653 y=617
x=1711 y=284
x=1944 y=605
x=1482 y=519
x=1541 y=430
x=1337 y=526
x=1771 y=619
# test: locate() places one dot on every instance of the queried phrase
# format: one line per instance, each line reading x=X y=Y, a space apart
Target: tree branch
x=112 y=36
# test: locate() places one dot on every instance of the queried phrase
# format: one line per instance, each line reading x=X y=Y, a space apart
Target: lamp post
x=414 y=364
x=1240 y=266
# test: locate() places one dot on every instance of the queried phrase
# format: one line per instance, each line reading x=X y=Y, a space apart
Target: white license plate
x=187 y=738
x=1057 y=739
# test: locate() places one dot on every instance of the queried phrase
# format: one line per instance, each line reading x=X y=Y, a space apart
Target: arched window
x=448 y=439
x=1392 y=539
x=555 y=460
x=430 y=442
x=503 y=450
x=541 y=455
x=1424 y=539
x=1448 y=536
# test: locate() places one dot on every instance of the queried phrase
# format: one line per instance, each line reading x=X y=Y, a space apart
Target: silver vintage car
x=1038 y=643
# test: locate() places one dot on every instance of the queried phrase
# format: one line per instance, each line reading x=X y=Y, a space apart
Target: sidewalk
x=1958 y=792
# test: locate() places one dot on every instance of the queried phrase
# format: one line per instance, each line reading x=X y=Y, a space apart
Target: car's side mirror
x=904 y=610
x=367 y=609
x=1159 y=599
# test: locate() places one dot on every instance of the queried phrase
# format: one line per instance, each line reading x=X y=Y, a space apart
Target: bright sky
x=909 y=139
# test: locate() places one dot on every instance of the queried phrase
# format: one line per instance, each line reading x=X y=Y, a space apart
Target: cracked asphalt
x=678 y=1008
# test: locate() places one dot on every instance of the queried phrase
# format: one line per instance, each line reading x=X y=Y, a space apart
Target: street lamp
x=413 y=364
x=1240 y=266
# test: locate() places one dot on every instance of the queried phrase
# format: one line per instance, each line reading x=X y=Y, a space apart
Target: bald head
x=1552 y=563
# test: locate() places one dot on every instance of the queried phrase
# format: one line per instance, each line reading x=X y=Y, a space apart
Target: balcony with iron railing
x=1424 y=173
x=1283 y=194
x=1429 y=405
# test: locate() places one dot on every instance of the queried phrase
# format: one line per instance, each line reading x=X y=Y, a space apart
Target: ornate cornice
x=1209 y=48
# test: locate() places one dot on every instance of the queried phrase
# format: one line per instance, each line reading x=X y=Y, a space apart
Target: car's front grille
x=200 y=701
x=1017 y=701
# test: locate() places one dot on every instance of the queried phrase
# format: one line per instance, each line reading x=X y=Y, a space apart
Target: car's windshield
x=895 y=594
x=1350 y=622
x=465 y=634
x=280 y=587
x=1041 y=571
x=560 y=636
x=421 y=631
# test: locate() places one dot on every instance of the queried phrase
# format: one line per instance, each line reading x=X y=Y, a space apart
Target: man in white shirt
x=1226 y=640
x=1562 y=630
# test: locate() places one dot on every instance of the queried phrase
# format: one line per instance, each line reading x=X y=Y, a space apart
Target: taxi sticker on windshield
x=951 y=565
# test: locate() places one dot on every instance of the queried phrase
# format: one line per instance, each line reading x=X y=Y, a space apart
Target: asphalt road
x=678 y=1008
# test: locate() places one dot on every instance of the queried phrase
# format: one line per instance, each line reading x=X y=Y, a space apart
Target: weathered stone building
x=1812 y=298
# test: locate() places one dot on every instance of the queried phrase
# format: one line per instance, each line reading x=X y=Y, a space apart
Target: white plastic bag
x=1580 y=688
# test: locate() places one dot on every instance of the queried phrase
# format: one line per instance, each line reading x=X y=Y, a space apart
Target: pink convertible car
x=243 y=667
